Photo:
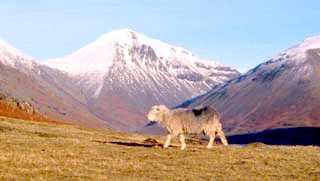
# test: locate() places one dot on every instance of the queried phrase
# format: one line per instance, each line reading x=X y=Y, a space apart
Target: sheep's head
x=157 y=112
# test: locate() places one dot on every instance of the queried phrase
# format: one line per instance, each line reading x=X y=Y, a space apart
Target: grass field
x=42 y=151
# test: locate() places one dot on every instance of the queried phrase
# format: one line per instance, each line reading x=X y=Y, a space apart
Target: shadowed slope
x=281 y=136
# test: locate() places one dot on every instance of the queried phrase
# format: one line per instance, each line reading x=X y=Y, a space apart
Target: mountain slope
x=282 y=92
x=124 y=73
x=50 y=91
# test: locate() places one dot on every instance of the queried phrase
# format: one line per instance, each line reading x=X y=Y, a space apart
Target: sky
x=237 y=33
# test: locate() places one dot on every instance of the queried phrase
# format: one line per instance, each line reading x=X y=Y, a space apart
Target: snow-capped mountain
x=282 y=92
x=10 y=56
x=123 y=73
x=50 y=91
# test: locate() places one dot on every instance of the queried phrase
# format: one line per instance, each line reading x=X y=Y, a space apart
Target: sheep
x=182 y=120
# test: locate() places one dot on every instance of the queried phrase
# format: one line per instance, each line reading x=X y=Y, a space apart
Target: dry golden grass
x=42 y=151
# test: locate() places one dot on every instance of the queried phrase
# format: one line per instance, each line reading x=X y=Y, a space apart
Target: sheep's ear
x=150 y=123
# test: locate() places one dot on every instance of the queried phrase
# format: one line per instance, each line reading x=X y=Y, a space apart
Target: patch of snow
x=298 y=52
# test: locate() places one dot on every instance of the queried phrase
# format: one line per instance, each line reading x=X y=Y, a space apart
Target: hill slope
x=40 y=151
x=50 y=91
x=282 y=92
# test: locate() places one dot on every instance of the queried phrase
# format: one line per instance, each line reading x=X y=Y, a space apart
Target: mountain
x=49 y=91
x=123 y=73
x=282 y=92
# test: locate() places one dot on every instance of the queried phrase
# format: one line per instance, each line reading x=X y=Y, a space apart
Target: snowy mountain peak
x=122 y=35
x=128 y=37
x=310 y=43
x=130 y=58
x=12 y=57
x=99 y=55
x=298 y=52
x=6 y=48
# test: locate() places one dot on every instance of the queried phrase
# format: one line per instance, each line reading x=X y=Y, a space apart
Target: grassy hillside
x=45 y=151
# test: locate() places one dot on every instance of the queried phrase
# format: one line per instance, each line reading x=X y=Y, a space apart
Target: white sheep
x=181 y=121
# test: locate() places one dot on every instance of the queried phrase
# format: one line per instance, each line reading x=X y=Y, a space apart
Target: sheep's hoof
x=183 y=147
x=209 y=146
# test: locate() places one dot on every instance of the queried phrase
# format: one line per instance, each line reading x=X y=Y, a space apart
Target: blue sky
x=238 y=33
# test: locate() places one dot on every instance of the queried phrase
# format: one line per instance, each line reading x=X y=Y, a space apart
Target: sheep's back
x=185 y=119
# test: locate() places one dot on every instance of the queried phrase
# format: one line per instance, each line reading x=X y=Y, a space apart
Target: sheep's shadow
x=134 y=144
x=145 y=144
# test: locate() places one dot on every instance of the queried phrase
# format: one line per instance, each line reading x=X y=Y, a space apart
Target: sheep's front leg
x=211 y=141
x=182 y=141
x=222 y=137
x=167 y=143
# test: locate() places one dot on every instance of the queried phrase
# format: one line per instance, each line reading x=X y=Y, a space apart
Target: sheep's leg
x=222 y=137
x=182 y=141
x=211 y=141
x=167 y=143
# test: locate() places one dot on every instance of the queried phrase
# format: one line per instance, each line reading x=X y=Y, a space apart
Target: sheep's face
x=156 y=113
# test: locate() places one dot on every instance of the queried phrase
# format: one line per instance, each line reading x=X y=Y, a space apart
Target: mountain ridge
x=281 y=92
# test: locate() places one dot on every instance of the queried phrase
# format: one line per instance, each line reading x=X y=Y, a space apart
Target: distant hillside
x=50 y=91
x=14 y=108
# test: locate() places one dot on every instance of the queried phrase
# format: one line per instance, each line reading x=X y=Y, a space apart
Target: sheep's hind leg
x=211 y=141
x=222 y=137
x=167 y=143
x=182 y=141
